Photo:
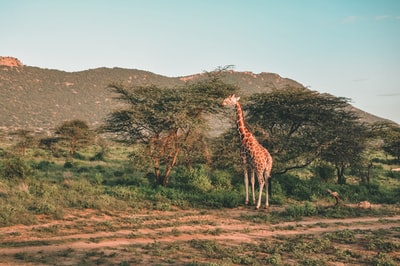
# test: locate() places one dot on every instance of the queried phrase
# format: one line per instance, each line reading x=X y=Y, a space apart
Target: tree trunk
x=169 y=168
x=157 y=172
x=72 y=147
x=340 y=175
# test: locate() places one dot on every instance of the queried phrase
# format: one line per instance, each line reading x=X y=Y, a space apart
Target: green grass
x=40 y=184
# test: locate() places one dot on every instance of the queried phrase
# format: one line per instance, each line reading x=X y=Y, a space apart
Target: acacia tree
x=166 y=120
x=76 y=133
x=298 y=126
x=49 y=143
x=347 y=149
x=25 y=140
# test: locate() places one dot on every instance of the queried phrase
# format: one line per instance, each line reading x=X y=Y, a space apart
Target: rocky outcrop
x=10 y=61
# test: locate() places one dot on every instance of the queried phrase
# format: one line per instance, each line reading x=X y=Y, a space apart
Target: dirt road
x=192 y=237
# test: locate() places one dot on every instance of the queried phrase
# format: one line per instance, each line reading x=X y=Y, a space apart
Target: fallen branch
x=336 y=196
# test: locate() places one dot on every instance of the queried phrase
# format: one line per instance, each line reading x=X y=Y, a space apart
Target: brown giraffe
x=251 y=152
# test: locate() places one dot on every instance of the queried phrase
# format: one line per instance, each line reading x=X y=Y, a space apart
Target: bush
x=16 y=168
x=297 y=211
x=324 y=171
x=221 y=179
x=43 y=165
x=78 y=156
x=382 y=259
x=193 y=179
x=118 y=173
x=393 y=174
x=68 y=164
x=223 y=199
x=277 y=194
x=298 y=189
x=99 y=156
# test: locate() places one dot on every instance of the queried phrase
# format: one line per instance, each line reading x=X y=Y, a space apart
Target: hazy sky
x=348 y=48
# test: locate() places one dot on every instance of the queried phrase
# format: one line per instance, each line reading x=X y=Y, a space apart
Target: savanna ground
x=237 y=236
x=99 y=212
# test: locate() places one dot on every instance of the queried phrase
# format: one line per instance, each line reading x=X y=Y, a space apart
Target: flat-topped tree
x=165 y=119
x=299 y=126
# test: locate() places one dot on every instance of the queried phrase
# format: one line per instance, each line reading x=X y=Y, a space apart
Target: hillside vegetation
x=39 y=99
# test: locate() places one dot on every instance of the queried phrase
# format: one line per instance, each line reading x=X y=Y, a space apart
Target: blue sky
x=348 y=48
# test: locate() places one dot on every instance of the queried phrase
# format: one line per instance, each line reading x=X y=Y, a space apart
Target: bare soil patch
x=193 y=237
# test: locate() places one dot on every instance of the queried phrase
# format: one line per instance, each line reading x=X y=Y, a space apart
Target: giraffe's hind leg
x=261 y=182
x=246 y=186
x=252 y=186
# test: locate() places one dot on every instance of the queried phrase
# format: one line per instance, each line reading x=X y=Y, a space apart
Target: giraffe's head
x=231 y=100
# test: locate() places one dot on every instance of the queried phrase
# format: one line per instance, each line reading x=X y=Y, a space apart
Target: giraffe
x=252 y=154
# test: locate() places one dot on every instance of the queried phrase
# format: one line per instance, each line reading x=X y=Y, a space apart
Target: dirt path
x=145 y=237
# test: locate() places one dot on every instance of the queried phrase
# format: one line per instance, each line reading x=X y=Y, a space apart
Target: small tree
x=347 y=148
x=76 y=133
x=49 y=143
x=25 y=140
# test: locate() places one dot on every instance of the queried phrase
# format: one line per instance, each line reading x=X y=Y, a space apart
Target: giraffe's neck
x=241 y=127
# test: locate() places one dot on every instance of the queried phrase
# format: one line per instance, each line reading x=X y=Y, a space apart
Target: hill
x=40 y=99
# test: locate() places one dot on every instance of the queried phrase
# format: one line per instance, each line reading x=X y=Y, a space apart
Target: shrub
x=393 y=174
x=221 y=179
x=15 y=213
x=43 y=165
x=200 y=181
x=277 y=194
x=16 y=168
x=118 y=173
x=99 y=156
x=324 y=171
x=78 y=156
x=382 y=259
x=83 y=169
x=297 y=211
x=298 y=189
x=223 y=199
x=68 y=164
x=193 y=179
